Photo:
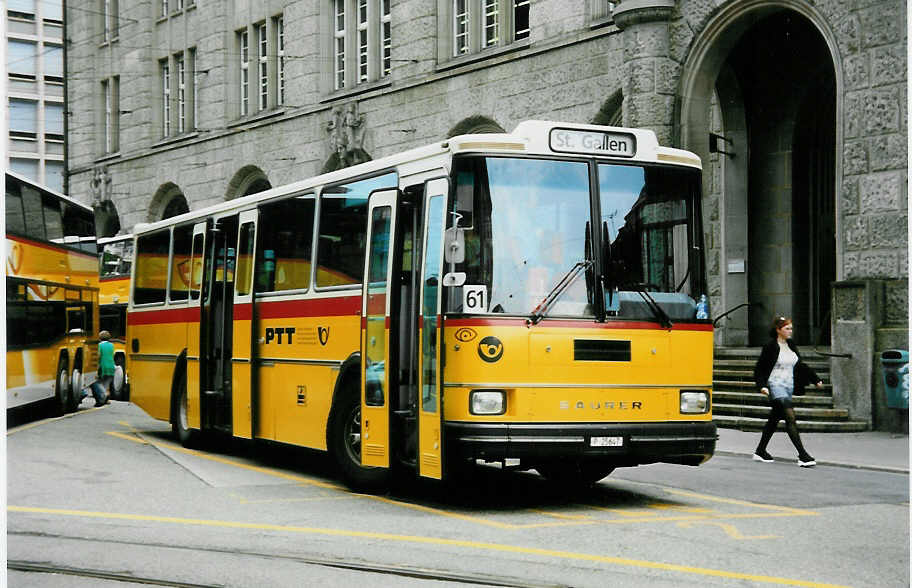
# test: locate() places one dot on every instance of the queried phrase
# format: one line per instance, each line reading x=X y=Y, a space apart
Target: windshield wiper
x=539 y=311
x=660 y=314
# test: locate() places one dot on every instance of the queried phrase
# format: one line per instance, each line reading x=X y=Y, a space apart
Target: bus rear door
x=242 y=358
x=430 y=411
x=379 y=342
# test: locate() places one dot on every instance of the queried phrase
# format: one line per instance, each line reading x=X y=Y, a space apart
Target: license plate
x=606 y=441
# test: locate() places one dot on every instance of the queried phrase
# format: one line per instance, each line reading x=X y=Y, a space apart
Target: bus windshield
x=526 y=224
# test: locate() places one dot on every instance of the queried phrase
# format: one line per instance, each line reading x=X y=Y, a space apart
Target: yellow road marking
x=417 y=539
x=222 y=460
x=730 y=529
x=568 y=520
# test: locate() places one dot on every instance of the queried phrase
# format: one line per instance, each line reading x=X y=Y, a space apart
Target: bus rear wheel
x=345 y=445
x=574 y=473
x=180 y=426
x=62 y=392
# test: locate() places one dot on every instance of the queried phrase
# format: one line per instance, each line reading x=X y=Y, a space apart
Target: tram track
x=399 y=570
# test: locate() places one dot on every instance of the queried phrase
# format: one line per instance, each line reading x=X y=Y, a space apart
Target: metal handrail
x=731 y=310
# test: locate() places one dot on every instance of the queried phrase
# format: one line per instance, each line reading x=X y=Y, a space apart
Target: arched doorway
x=759 y=106
x=168 y=201
x=248 y=180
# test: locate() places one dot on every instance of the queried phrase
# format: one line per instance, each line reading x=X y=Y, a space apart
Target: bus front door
x=197 y=255
x=216 y=326
x=379 y=342
x=430 y=410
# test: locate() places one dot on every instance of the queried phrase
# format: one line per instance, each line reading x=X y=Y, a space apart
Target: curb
x=854 y=466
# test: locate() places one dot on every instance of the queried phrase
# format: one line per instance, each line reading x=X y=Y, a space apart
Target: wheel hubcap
x=352 y=434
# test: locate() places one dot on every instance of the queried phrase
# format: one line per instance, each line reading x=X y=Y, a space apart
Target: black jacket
x=803 y=373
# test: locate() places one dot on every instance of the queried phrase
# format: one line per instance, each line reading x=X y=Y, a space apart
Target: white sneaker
x=808 y=463
x=765 y=458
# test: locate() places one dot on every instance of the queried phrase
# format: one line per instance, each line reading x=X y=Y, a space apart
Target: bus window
x=53 y=221
x=343 y=222
x=284 y=251
x=196 y=270
x=151 y=268
x=34 y=219
x=244 y=259
x=180 y=263
x=15 y=219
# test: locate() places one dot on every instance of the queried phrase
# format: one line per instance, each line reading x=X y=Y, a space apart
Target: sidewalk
x=873 y=450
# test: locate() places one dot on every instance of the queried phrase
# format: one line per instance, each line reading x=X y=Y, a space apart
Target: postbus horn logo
x=490 y=349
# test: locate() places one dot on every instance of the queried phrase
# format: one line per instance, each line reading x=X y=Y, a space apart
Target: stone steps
x=738 y=405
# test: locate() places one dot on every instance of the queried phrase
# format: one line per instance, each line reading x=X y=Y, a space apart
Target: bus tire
x=345 y=445
x=117 y=383
x=574 y=473
x=180 y=427
x=62 y=389
x=75 y=390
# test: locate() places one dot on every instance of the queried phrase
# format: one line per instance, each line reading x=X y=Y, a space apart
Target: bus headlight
x=488 y=402
x=694 y=401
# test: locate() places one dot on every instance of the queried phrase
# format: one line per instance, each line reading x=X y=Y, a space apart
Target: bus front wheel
x=345 y=445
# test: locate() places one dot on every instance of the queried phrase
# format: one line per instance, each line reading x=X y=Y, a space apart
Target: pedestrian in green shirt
x=106 y=367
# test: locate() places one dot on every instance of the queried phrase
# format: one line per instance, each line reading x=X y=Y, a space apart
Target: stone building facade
x=798 y=109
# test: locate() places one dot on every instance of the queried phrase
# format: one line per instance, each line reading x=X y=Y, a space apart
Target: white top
x=783 y=371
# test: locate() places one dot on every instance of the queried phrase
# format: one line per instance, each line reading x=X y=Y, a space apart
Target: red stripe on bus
x=160 y=317
x=115 y=279
x=551 y=323
x=243 y=312
x=346 y=306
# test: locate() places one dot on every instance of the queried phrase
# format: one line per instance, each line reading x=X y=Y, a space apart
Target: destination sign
x=595 y=142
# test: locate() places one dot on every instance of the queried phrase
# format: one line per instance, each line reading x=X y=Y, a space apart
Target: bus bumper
x=631 y=444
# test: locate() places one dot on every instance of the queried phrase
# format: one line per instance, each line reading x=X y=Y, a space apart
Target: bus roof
x=531 y=137
x=41 y=188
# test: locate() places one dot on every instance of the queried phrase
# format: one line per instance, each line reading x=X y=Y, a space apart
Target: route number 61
x=475 y=298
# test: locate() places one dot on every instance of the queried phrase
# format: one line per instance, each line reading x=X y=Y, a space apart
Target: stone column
x=650 y=76
x=868 y=318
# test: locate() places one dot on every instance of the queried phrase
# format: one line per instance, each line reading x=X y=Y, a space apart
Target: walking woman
x=780 y=373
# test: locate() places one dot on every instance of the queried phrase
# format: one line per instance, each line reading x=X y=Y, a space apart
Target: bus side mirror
x=135 y=345
x=454 y=245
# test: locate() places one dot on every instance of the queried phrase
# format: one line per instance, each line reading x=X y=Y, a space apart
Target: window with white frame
x=166 y=97
x=110 y=20
x=280 y=58
x=194 y=87
x=110 y=89
x=164 y=8
x=386 y=36
x=244 y=45
x=339 y=43
x=362 y=41
x=21 y=58
x=262 y=66
x=181 y=70
x=472 y=26
x=601 y=11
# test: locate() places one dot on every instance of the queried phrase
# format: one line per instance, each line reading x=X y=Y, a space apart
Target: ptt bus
x=51 y=296
x=527 y=299
x=115 y=258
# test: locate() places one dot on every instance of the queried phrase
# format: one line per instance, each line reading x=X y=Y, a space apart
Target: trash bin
x=895 y=364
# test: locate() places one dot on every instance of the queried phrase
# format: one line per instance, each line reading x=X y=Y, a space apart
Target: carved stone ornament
x=346 y=136
x=101 y=185
x=631 y=12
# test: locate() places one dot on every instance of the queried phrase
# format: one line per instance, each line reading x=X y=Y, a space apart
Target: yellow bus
x=51 y=297
x=529 y=299
x=115 y=257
